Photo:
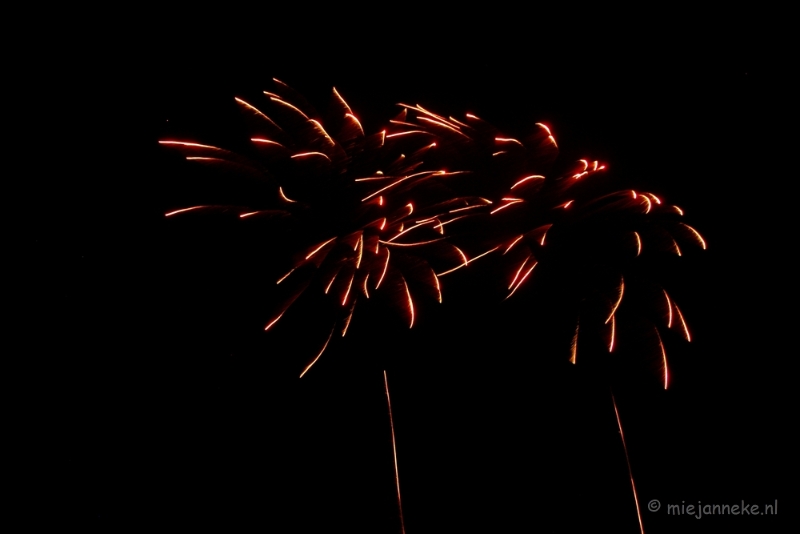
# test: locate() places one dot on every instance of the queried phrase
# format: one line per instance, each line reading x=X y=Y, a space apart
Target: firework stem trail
x=628 y=460
x=394 y=452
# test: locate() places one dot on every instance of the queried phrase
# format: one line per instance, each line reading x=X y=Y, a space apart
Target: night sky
x=161 y=401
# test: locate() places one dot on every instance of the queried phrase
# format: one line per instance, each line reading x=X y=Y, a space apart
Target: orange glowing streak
x=522 y=280
x=457 y=267
x=507 y=204
x=546 y=129
x=360 y=247
x=467 y=208
x=248 y=214
x=586 y=164
x=331 y=282
x=680 y=211
x=649 y=204
x=634 y=193
x=306 y=154
x=658 y=200
x=366 y=291
x=283 y=195
x=553 y=140
x=663 y=358
x=385 y=268
x=266 y=141
x=696 y=234
x=459 y=122
x=574 y=345
x=348 y=318
x=408 y=132
x=613 y=327
x=619 y=299
x=341 y=100
x=358 y=123
x=683 y=323
x=319 y=248
x=595 y=166
x=171 y=213
x=567 y=204
x=513 y=243
x=383 y=223
x=543 y=236
x=279 y=101
x=284 y=277
x=323 y=132
x=422 y=223
x=507 y=140
x=403 y=179
x=669 y=306
x=347 y=293
x=438 y=286
x=677 y=248
x=394 y=452
x=627 y=459
x=275 y=320
x=202 y=158
x=445 y=125
x=325 y=346
x=522 y=266
x=383 y=137
x=410 y=303
x=184 y=143
x=638 y=243
x=471 y=116
x=580 y=175
x=417 y=244
x=498 y=153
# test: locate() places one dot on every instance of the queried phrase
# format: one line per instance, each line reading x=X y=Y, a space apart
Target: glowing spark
x=358 y=123
x=669 y=307
x=638 y=243
x=658 y=200
x=546 y=129
x=306 y=154
x=284 y=277
x=544 y=235
x=421 y=223
x=467 y=208
x=275 y=320
x=498 y=153
x=248 y=214
x=567 y=204
x=366 y=291
x=619 y=299
x=634 y=193
x=171 y=213
x=347 y=292
x=683 y=323
x=580 y=175
x=360 y=249
x=410 y=303
x=613 y=327
x=183 y=143
x=574 y=345
x=649 y=204
x=664 y=357
x=507 y=204
x=318 y=355
x=586 y=164
x=319 y=248
x=512 y=244
x=385 y=267
x=321 y=130
x=328 y=288
x=383 y=224
x=680 y=211
x=696 y=234
x=522 y=266
x=522 y=280
x=394 y=452
x=408 y=132
x=403 y=179
x=283 y=195
x=265 y=141
x=348 y=318
x=341 y=100
x=202 y=158
x=279 y=101
x=627 y=459
x=553 y=140
x=417 y=244
x=507 y=140
x=438 y=287
x=445 y=125
x=677 y=248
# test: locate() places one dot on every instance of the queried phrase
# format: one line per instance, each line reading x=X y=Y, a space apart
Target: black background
x=157 y=399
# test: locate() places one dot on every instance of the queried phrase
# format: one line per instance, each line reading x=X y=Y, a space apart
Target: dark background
x=157 y=398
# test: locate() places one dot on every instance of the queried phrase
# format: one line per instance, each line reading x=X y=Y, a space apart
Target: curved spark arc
x=325 y=346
